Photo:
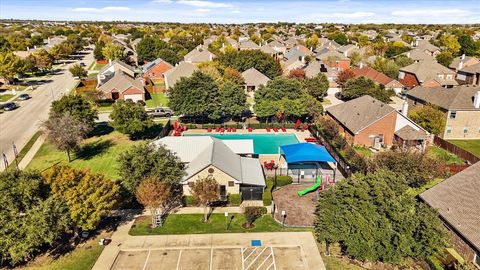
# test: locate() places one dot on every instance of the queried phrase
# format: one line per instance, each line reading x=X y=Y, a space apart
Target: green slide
x=317 y=184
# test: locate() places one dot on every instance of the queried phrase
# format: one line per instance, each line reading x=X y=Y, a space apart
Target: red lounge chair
x=267 y=129
x=305 y=127
x=222 y=130
x=184 y=127
x=217 y=129
x=284 y=129
x=275 y=129
x=249 y=129
x=234 y=129
x=209 y=130
x=229 y=129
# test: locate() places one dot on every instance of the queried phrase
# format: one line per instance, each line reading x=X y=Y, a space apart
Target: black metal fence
x=166 y=129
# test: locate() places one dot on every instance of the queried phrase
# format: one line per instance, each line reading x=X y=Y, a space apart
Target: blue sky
x=224 y=11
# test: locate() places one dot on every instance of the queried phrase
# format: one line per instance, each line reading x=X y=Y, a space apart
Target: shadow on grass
x=92 y=149
x=101 y=129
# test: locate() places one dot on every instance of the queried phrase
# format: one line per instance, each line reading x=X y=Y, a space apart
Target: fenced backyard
x=463 y=154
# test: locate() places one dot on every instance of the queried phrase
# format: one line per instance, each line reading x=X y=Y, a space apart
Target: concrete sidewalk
x=31 y=153
x=122 y=241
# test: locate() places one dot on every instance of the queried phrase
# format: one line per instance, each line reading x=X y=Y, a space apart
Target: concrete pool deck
x=301 y=135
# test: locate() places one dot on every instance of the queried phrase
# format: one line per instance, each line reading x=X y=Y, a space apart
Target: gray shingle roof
x=456 y=98
x=457 y=200
x=471 y=69
x=360 y=113
x=121 y=82
x=254 y=77
x=183 y=69
x=409 y=133
x=428 y=70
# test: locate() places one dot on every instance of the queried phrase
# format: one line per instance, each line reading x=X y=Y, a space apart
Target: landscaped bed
x=193 y=224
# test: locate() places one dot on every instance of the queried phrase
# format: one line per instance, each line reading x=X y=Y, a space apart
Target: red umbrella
x=297 y=125
x=175 y=125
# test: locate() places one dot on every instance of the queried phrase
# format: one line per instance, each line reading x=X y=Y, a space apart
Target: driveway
x=18 y=126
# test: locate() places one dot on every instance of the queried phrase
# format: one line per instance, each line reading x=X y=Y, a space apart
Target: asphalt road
x=20 y=125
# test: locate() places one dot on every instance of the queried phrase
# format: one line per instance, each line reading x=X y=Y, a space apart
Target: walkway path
x=31 y=153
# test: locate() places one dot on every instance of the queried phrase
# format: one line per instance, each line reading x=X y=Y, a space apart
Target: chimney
x=302 y=59
x=210 y=56
x=28 y=49
x=460 y=65
x=476 y=100
x=109 y=62
x=405 y=109
x=48 y=40
x=408 y=54
x=463 y=57
x=35 y=47
x=223 y=45
x=416 y=43
x=361 y=65
x=345 y=53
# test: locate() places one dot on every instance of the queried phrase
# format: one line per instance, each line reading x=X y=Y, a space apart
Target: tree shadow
x=101 y=129
x=92 y=149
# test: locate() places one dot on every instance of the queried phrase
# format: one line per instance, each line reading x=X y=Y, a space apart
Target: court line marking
x=179 y=257
x=243 y=262
x=146 y=260
x=270 y=266
x=211 y=257
x=250 y=254
x=270 y=255
x=256 y=257
x=273 y=256
x=304 y=258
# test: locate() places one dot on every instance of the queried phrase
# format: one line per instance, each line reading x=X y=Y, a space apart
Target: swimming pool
x=262 y=143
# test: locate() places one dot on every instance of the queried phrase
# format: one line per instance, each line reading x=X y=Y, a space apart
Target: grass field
x=83 y=257
x=193 y=223
x=157 y=100
x=443 y=155
x=97 y=67
x=472 y=146
x=5 y=97
x=99 y=154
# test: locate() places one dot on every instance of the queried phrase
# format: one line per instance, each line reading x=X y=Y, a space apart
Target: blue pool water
x=262 y=143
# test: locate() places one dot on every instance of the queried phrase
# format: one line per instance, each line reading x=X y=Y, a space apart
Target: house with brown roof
x=460 y=106
x=199 y=55
x=333 y=59
x=181 y=70
x=418 y=55
x=253 y=79
x=427 y=47
x=316 y=67
x=469 y=75
x=378 y=77
x=369 y=122
x=154 y=70
x=427 y=74
x=113 y=67
x=248 y=45
x=463 y=61
x=123 y=86
x=457 y=200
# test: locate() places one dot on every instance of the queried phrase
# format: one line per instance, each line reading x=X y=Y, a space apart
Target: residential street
x=20 y=125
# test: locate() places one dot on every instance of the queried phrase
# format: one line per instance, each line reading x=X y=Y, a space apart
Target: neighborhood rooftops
x=375 y=76
x=430 y=70
x=457 y=98
x=457 y=199
x=149 y=65
x=253 y=77
x=360 y=113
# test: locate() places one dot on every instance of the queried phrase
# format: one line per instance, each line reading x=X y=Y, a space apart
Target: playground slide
x=317 y=184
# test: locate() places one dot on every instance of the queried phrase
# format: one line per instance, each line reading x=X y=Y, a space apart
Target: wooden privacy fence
x=452 y=148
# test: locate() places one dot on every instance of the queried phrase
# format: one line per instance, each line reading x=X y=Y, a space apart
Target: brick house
x=469 y=75
x=457 y=199
x=124 y=87
x=154 y=70
x=463 y=61
x=460 y=106
x=369 y=122
x=378 y=77
x=427 y=74
x=333 y=59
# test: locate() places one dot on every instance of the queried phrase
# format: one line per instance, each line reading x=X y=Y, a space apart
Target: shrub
x=284 y=180
x=435 y=263
x=234 y=199
x=252 y=213
x=267 y=194
x=189 y=201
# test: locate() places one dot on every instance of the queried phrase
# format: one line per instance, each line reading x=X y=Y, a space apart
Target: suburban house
x=277 y=46
x=270 y=51
x=462 y=62
x=347 y=50
x=427 y=74
x=114 y=67
x=469 y=75
x=456 y=200
x=248 y=45
x=378 y=77
x=253 y=79
x=182 y=69
x=418 y=55
x=460 y=105
x=427 y=47
x=225 y=161
x=369 y=122
x=316 y=67
x=199 y=55
x=292 y=64
x=154 y=70
x=334 y=59
x=123 y=86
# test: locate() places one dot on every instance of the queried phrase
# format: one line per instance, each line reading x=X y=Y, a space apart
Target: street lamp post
x=226 y=221
x=284 y=215
x=275 y=179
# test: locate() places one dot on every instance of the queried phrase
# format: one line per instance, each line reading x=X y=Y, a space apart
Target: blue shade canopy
x=304 y=152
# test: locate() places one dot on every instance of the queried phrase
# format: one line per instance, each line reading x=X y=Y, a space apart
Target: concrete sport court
x=251 y=258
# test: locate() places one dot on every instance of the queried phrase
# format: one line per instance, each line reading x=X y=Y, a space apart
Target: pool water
x=262 y=143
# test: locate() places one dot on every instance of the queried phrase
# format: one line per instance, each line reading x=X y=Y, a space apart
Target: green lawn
x=97 y=67
x=472 y=146
x=157 y=100
x=250 y=100
x=326 y=101
x=5 y=97
x=444 y=155
x=99 y=154
x=193 y=223
x=26 y=148
x=364 y=151
x=83 y=257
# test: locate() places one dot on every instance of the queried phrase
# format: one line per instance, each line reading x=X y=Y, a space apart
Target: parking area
x=248 y=258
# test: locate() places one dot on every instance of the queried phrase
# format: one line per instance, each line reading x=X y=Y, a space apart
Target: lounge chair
x=209 y=130
x=267 y=129
x=217 y=129
x=284 y=129
x=234 y=129
x=249 y=129
x=275 y=129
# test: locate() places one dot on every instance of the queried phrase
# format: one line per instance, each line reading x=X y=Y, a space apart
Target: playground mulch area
x=300 y=211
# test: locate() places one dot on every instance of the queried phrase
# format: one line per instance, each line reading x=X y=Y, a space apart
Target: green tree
x=403 y=61
x=366 y=215
x=395 y=48
x=312 y=41
x=169 y=55
x=10 y=66
x=196 y=95
x=113 y=51
x=361 y=86
x=146 y=50
x=78 y=71
x=386 y=66
x=130 y=118
x=43 y=60
x=243 y=60
x=445 y=58
x=233 y=99
x=88 y=196
x=97 y=52
x=339 y=37
x=317 y=86
x=467 y=45
x=78 y=107
x=429 y=117
x=450 y=44
x=29 y=218
x=205 y=192
x=149 y=160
